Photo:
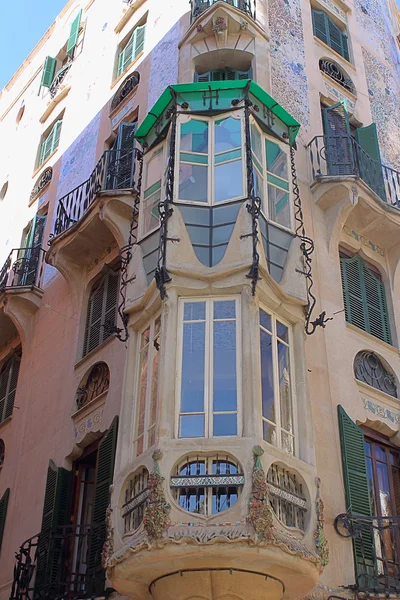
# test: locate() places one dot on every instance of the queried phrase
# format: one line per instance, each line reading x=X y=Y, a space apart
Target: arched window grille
x=369 y=369
x=286 y=497
x=337 y=74
x=208 y=485
x=101 y=315
x=96 y=383
x=136 y=497
x=125 y=89
x=8 y=385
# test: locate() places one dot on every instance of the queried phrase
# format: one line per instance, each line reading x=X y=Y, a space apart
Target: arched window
x=369 y=369
x=207 y=485
x=95 y=383
x=364 y=296
x=102 y=311
x=129 y=84
x=336 y=73
x=8 y=385
x=136 y=498
x=287 y=497
x=327 y=31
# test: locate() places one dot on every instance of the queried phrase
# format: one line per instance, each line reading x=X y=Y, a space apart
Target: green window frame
x=3 y=513
x=73 y=34
x=50 y=142
x=155 y=167
x=271 y=176
x=227 y=74
x=48 y=72
x=327 y=31
x=9 y=373
x=131 y=49
x=364 y=297
x=102 y=311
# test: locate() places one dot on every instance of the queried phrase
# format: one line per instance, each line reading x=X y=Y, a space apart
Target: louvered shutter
x=319 y=19
x=3 y=513
x=121 y=164
x=8 y=386
x=93 y=330
x=139 y=39
x=353 y=293
x=203 y=78
x=338 y=143
x=51 y=142
x=111 y=302
x=377 y=313
x=73 y=34
x=121 y=59
x=51 y=544
x=337 y=40
x=49 y=68
x=356 y=489
x=371 y=171
x=104 y=479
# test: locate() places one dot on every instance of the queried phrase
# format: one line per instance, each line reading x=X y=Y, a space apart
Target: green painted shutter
x=51 y=142
x=56 y=507
x=353 y=292
x=338 y=142
x=337 y=40
x=223 y=75
x=319 y=19
x=139 y=39
x=356 y=490
x=203 y=78
x=111 y=302
x=371 y=171
x=93 y=329
x=8 y=386
x=56 y=135
x=49 y=69
x=73 y=34
x=3 y=513
x=121 y=60
x=104 y=479
x=376 y=307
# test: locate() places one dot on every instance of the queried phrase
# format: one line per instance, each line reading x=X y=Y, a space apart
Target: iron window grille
x=97 y=382
x=136 y=499
x=129 y=84
x=337 y=74
x=207 y=486
x=369 y=369
x=286 y=497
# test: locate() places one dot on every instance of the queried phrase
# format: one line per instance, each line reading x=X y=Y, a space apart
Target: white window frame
x=285 y=148
x=208 y=371
x=183 y=119
x=151 y=354
x=277 y=425
x=162 y=146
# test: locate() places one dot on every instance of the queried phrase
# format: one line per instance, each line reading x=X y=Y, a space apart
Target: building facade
x=199 y=332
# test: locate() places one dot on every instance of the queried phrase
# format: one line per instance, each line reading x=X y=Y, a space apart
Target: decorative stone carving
x=208 y=535
x=260 y=513
x=156 y=516
x=41 y=183
x=321 y=543
x=219 y=25
x=108 y=547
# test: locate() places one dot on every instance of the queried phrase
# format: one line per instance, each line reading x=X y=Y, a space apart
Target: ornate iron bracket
x=307 y=247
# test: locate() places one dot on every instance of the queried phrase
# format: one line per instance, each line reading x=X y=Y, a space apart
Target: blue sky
x=23 y=24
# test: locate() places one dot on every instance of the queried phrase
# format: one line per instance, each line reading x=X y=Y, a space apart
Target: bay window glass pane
x=269 y=433
x=191 y=426
x=282 y=332
x=278 y=206
x=267 y=377
x=150 y=212
x=225 y=424
x=265 y=320
x=228 y=181
x=285 y=399
x=194 y=136
x=143 y=372
x=258 y=184
x=154 y=168
x=256 y=142
x=227 y=134
x=193 y=363
x=193 y=182
x=224 y=366
x=276 y=160
x=194 y=311
x=224 y=309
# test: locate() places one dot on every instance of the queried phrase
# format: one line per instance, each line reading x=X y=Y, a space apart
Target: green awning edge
x=257 y=91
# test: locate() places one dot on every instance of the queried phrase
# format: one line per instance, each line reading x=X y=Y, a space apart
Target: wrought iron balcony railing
x=61 y=565
x=59 y=78
x=376 y=549
x=199 y=6
x=341 y=155
x=114 y=171
x=23 y=267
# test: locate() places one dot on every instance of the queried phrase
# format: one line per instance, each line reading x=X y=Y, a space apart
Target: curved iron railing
x=61 y=565
x=199 y=6
x=376 y=543
x=23 y=267
x=114 y=171
x=341 y=155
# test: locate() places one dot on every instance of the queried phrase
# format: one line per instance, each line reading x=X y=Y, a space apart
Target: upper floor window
x=147 y=386
x=226 y=74
x=364 y=296
x=9 y=372
x=49 y=142
x=276 y=382
x=271 y=176
x=130 y=48
x=102 y=311
x=326 y=30
x=209 y=367
x=211 y=167
x=369 y=369
x=153 y=179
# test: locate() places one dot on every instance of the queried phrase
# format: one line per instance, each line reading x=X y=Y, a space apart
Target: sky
x=23 y=24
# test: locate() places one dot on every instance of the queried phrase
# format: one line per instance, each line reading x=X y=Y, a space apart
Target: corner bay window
x=276 y=385
x=147 y=386
x=209 y=367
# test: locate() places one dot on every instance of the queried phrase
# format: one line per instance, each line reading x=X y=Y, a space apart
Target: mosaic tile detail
x=288 y=66
x=365 y=241
x=337 y=95
x=291 y=498
x=164 y=65
x=207 y=481
x=374 y=19
x=381 y=411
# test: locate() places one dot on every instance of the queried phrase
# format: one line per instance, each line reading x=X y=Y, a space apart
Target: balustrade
x=23 y=267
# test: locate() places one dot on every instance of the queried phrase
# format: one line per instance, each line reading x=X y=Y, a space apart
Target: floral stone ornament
x=321 y=543
x=260 y=512
x=220 y=25
x=156 y=516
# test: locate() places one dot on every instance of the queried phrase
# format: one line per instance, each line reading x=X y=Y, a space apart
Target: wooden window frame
x=10 y=364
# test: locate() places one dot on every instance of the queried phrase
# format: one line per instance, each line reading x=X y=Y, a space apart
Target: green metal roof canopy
x=227 y=90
